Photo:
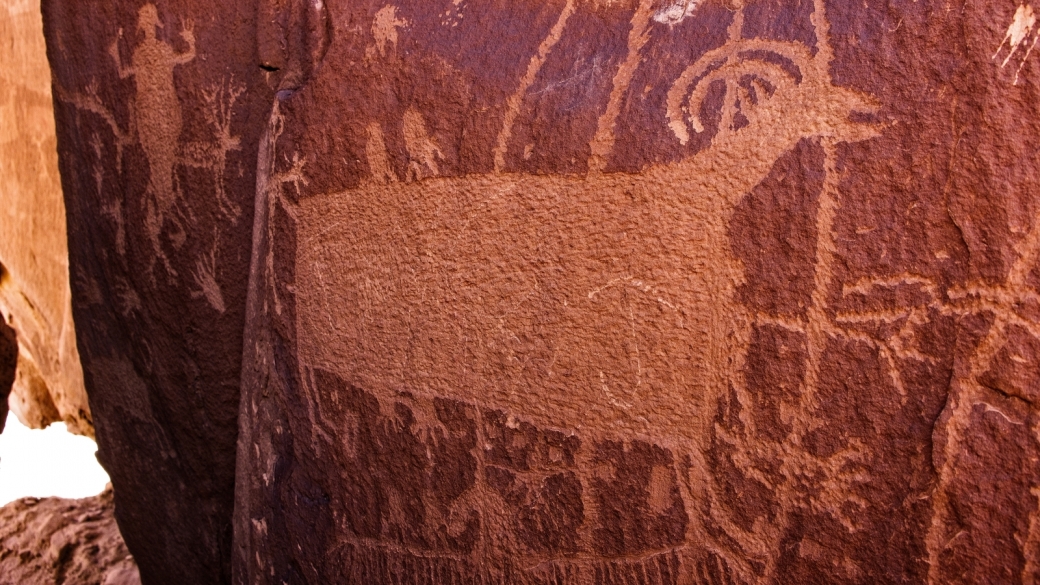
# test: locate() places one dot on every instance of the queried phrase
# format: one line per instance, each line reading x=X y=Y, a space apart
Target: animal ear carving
x=754 y=72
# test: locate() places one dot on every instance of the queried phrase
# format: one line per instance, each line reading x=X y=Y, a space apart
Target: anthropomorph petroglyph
x=509 y=326
x=158 y=113
x=384 y=30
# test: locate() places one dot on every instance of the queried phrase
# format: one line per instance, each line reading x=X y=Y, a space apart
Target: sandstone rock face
x=72 y=542
x=159 y=109
x=34 y=266
x=581 y=291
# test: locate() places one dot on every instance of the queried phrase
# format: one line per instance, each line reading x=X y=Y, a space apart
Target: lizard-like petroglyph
x=158 y=112
x=155 y=124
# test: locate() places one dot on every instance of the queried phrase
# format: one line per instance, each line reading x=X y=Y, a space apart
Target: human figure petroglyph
x=158 y=113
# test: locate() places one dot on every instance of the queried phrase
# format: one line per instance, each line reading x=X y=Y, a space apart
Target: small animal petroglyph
x=219 y=100
x=423 y=151
x=378 y=159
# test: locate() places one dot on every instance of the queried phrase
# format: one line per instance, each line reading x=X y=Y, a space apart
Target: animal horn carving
x=753 y=71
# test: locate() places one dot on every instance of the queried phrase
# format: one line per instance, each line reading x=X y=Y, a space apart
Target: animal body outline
x=159 y=120
x=793 y=105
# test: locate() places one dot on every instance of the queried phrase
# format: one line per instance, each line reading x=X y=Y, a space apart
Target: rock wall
x=34 y=266
x=566 y=291
x=580 y=291
x=159 y=109
x=70 y=542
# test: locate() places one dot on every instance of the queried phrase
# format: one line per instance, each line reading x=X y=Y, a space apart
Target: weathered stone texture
x=611 y=292
x=34 y=266
x=57 y=541
x=159 y=109
x=560 y=291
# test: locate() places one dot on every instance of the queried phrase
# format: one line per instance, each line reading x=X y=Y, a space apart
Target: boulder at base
x=73 y=542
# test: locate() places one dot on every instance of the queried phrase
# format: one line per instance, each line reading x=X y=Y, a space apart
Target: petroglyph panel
x=677 y=292
x=566 y=291
x=159 y=108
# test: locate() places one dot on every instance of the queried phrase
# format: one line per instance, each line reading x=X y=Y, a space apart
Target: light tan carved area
x=35 y=297
x=535 y=285
x=1019 y=41
x=603 y=304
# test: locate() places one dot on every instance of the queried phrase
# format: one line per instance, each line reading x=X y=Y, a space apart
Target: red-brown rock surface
x=8 y=365
x=54 y=541
x=606 y=292
x=566 y=291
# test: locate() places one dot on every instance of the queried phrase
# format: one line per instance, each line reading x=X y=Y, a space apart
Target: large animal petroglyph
x=698 y=341
x=402 y=290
